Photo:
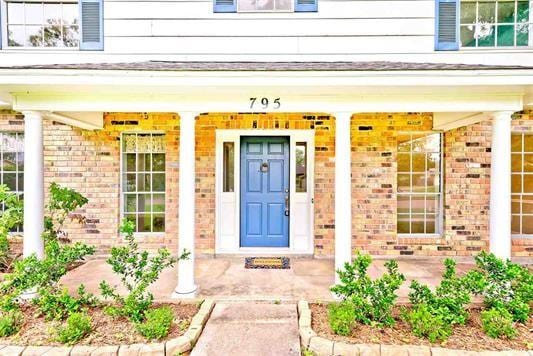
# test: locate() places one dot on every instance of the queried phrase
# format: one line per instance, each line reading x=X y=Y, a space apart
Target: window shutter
x=306 y=6
x=92 y=25
x=225 y=5
x=447 y=25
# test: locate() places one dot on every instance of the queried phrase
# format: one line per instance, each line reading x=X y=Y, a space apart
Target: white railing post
x=33 y=185
x=500 y=185
x=343 y=191
x=186 y=287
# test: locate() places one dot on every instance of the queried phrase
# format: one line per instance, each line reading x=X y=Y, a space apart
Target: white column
x=33 y=185
x=343 y=191
x=500 y=185
x=186 y=287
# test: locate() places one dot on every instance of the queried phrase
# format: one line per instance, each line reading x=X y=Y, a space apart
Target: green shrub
x=157 y=323
x=32 y=273
x=502 y=284
x=341 y=317
x=78 y=326
x=58 y=304
x=426 y=324
x=10 y=322
x=449 y=300
x=498 y=322
x=10 y=217
x=137 y=272
x=372 y=299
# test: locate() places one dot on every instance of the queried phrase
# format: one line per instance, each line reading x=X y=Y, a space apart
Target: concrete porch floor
x=225 y=278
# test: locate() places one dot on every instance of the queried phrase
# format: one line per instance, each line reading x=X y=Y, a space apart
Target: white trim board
x=227 y=213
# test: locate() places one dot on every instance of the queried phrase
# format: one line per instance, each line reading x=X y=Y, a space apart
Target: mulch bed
x=467 y=337
x=107 y=330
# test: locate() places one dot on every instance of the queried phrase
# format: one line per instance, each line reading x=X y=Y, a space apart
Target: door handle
x=286 y=205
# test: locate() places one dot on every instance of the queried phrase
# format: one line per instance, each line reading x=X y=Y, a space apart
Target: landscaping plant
x=10 y=216
x=498 y=322
x=157 y=323
x=424 y=323
x=78 y=325
x=341 y=317
x=503 y=285
x=137 y=272
x=32 y=273
x=372 y=300
x=58 y=304
x=10 y=322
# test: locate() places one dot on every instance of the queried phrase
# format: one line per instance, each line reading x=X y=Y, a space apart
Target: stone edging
x=170 y=347
x=324 y=347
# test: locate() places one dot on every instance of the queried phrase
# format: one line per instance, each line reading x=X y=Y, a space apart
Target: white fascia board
x=57 y=77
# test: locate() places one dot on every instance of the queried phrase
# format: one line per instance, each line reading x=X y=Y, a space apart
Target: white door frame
x=227 y=214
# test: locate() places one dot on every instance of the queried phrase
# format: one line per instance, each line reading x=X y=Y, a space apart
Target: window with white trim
x=43 y=24
x=496 y=23
x=12 y=163
x=419 y=192
x=143 y=180
x=265 y=5
x=522 y=184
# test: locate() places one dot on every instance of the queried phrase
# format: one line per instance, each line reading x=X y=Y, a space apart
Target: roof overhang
x=463 y=92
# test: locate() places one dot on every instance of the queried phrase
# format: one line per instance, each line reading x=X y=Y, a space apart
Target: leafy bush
x=341 y=317
x=32 y=273
x=10 y=322
x=498 y=322
x=59 y=304
x=157 y=323
x=78 y=326
x=449 y=300
x=137 y=272
x=372 y=299
x=502 y=284
x=10 y=217
x=425 y=324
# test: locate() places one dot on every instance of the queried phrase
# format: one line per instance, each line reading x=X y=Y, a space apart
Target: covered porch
x=77 y=97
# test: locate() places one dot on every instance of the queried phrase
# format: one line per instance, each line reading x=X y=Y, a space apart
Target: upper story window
x=42 y=24
x=501 y=23
x=265 y=5
x=419 y=183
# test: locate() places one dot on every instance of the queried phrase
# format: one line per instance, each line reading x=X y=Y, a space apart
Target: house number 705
x=264 y=103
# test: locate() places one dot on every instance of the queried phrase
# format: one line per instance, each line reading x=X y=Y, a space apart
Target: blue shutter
x=305 y=5
x=447 y=25
x=91 y=25
x=225 y=5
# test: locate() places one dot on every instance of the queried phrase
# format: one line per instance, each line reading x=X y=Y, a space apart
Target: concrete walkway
x=250 y=328
x=227 y=279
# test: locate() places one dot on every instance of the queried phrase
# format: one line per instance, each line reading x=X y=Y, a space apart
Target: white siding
x=344 y=30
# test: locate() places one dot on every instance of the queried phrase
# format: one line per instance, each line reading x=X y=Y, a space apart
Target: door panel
x=264 y=188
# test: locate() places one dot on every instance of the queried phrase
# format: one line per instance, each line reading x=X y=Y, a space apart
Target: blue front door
x=264 y=192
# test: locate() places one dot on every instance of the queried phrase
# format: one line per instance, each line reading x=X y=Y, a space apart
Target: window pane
x=70 y=36
x=515 y=224
x=246 y=5
x=527 y=224
x=468 y=12
x=487 y=11
x=506 y=11
x=467 y=36
x=515 y=204
x=527 y=204
x=228 y=167
x=516 y=183
x=516 y=143
x=404 y=143
x=70 y=14
x=419 y=183
x=144 y=223
x=144 y=182
x=505 y=35
x=9 y=162
x=403 y=204
x=33 y=13
x=528 y=162
x=158 y=203
x=419 y=162
x=159 y=223
x=158 y=182
x=34 y=36
x=52 y=36
x=10 y=179
x=144 y=203
x=301 y=167
x=485 y=35
x=52 y=14
x=418 y=204
x=143 y=162
x=528 y=183
x=15 y=13
x=522 y=35
x=16 y=36
x=130 y=202
x=528 y=143
x=158 y=162
x=130 y=183
x=516 y=163
x=417 y=224
x=404 y=182
x=404 y=162
x=283 y=4
x=430 y=224
x=522 y=11
x=403 y=224
x=432 y=204
x=264 y=5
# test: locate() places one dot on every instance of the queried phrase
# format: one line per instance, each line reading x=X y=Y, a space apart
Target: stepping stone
x=250 y=328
